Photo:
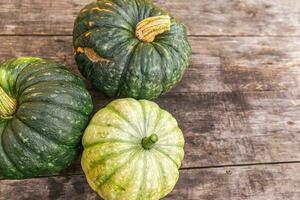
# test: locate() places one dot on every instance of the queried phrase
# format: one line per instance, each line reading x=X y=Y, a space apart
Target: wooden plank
x=205 y=17
x=231 y=128
x=218 y=64
x=223 y=104
x=271 y=182
x=234 y=127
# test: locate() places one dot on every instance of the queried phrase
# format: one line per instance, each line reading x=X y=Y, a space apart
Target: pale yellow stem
x=149 y=28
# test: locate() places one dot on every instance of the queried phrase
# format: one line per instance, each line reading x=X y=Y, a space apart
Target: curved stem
x=149 y=142
x=8 y=105
x=149 y=28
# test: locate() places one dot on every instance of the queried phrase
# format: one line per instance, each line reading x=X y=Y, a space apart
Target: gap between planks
x=181 y=169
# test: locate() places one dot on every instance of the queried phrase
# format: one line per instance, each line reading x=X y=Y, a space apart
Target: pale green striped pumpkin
x=132 y=150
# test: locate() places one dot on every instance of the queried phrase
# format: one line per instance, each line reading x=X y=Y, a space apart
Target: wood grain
x=222 y=64
x=261 y=182
x=237 y=104
x=232 y=128
x=205 y=17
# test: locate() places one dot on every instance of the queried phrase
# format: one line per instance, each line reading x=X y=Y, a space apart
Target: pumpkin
x=44 y=110
x=132 y=150
x=130 y=48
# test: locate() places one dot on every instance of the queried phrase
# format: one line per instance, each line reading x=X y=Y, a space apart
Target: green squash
x=130 y=48
x=132 y=150
x=43 y=111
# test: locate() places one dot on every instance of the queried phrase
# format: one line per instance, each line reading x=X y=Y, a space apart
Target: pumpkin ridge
x=163 y=67
x=41 y=135
x=109 y=156
x=19 y=140
x=80 y=20
x=46 y=139
x=49 y=138
x=158 y=118
x=17 y=79
x=82 y=35
x=166 y=155
x=142 y=127
x=159 y=129
x=131 y=173
x=114 y=110
x=166 y=133
x=109 y=141
x=43 y=69
x=11 y=61
x=166 y=190
x=161 y=173
x=40 y=67
x=62 y=118
x=170 y=145
x=74 y=85
x=176 y=50
x=121 y=15
x=125 y=69
x=135 y=12
x=20 y=144
x=126 y=65
x=6 y=154
x=179 y=53
x=144 y=177
x=116 y=127
x=49 y=113
x=60 y=105
x=110 y=26
x=141 y=68
x=123 y=44
x=146 y=121
x=23 y=89
x=107 y=178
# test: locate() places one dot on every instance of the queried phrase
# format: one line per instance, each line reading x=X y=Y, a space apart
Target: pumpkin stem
x=147 y=29
x=8 y=105
x=149 y=142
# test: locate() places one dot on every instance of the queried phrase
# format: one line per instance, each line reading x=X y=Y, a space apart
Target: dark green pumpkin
x=43 y=111
x=130 y=48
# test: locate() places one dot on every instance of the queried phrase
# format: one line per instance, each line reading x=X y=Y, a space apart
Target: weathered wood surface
x=220 y=64
x=232 y=128
x=261 y=182
x=202 y=17
x=238 y=104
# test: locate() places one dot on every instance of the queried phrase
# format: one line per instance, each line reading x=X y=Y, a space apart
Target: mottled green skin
x=114 y=161
x=43 y=136
x=137 y=69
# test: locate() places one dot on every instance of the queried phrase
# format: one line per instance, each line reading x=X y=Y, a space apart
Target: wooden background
x=238 y=103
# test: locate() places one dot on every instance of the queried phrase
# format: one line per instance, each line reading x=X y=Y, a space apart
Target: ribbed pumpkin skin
x=115 y=163
x=43 y=136
x=130 y=67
